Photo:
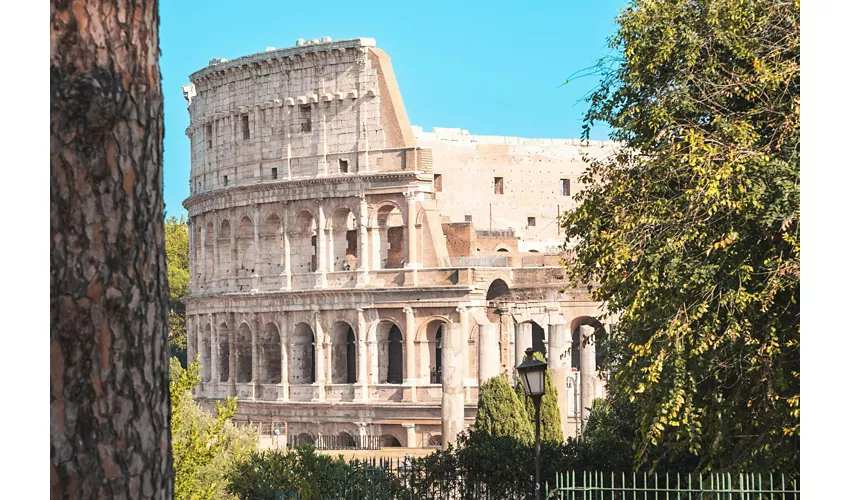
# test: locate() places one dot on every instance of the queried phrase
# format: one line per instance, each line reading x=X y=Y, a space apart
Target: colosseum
x=355 y=276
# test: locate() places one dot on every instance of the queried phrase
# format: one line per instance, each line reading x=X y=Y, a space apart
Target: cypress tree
x=500 y=412
x=550 y=415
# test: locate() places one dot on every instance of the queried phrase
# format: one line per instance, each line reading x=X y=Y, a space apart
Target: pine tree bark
x=109 y=401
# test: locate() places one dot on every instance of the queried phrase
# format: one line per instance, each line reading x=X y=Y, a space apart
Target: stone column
x=464 y=346
x=362 y=359
x=214 y=352
x=488 y=352
x=190 y=226
x=559 y=360
x=373 y=356
x=587 y=369
x=318 y=356
x=329 y=360
x=203 y=280
x=523 y=341
x=412 y=242
x=409 y=349
x=452 y=410
x=281 y=247
x=231 y=335
x=255 y=276
x=287 y=261
x=216 y=264
x=363 y=240
x=411 y=435
x=191 y=338
x=375 y=233
x=233 y=228
x=283 y=395
x=320 y=248
x=255 y=358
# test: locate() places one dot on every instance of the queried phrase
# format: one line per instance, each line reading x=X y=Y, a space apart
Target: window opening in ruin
x=438 y=183
x=225 y=180
x=503 y=250
x=394 y=355
x=532 y=221
x=306 y=118
x=565 y=187
x=538 y=338
x=467 y=218
x=343 y=166
x=437 y=371
x=209 y=136
x=350 y=357
x=313 y=265
x=274 y=172
x=499 y=185
x=246 y=132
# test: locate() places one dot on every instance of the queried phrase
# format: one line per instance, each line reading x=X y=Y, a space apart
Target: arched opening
x=243 y=354
x=503 y=250
x=303 y=244
x=345 y=440
x=269 y=353
x=599 y=336
x=344 y=354
x=390 y=353
x=271 y=244
x=533 y=251
x=302 y=366
x=391 y=228
x=389 y=441
x=343 y=241
x=223 y=354
x=432 y=357
x=538 y=338
x=498 y=288
x=224 y=250
x=245 y=247
x=206 y=354
x=304 y=439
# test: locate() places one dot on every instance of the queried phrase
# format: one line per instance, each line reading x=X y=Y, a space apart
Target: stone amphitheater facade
x=352 y=275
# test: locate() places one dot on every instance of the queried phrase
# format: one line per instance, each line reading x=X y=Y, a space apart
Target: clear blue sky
x=492 y=68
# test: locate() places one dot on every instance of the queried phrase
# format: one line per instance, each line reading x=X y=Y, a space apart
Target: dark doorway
x=394 y=355
x=538 y=338
x=350 y=358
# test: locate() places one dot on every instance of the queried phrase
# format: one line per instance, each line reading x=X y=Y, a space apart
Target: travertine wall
x=531 y=170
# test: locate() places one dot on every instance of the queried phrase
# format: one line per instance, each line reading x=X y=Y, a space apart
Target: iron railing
x=595 y=485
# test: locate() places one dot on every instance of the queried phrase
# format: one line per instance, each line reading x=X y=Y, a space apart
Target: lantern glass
x=532 y=372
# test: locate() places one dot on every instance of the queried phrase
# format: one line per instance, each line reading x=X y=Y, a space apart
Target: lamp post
x=532 y=373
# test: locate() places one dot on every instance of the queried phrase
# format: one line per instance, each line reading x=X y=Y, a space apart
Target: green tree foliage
x=500 y=412
x=270 y=475
x=177 y=263
x=204 y=446
x=692 y=229
x=550 y=415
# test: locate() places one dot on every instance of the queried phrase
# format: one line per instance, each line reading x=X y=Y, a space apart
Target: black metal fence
x=337 y=442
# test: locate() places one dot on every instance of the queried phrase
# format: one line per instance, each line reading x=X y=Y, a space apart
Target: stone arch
x=243 y=354
x=345 y=440
x=388 y=220
x=245 y=247
x=498 y=289
x=271 y=245
x=303 y=243
x=223 y=354
x=343 y=236
x=502 y=248
x=390 y=352
x=434 y=332
x=302 y=365
x=206 y=354
x=224 y=250
x=269 y=354
x=343 y=353
x=304 y=439
x=599 y=336
x=390 y=441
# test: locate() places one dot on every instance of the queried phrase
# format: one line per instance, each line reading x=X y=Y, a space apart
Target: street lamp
x=532 y=373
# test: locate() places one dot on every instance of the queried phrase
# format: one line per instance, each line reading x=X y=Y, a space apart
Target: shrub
x=550 y=415
x=500 y=413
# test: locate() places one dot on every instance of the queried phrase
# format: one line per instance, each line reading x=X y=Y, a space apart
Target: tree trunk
x=109 y=401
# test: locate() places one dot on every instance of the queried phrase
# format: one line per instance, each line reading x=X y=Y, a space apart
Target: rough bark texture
x=109 y=404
